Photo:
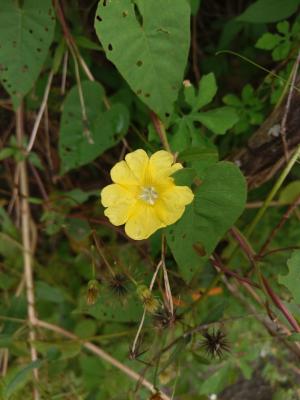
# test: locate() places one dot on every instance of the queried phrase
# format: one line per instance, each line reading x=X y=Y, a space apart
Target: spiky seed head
x=118 y=285
x=215 y=343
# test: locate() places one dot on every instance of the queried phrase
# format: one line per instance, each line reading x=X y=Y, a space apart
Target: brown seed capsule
x=92 y=292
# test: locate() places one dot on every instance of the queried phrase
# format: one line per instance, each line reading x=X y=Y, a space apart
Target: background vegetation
x=82 y=84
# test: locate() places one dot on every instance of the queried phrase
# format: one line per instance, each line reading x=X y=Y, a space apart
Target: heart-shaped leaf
x=148 y=45
x=26 y=33
x=219 y=201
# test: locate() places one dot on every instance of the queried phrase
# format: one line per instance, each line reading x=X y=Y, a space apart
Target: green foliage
x=249 y=108
x=17 y=379
x=292 y=279
x=151 y=81
x=218 y=120
x=280 y=43
x=82 y=140
x=269 y=11
x=153 y=53
x=219 y=201
x=26 y=33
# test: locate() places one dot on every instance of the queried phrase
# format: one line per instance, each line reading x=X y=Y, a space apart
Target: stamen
x=149 y=195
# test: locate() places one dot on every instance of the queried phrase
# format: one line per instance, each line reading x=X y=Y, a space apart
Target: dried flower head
x=215 y=343
x=118 y=285
x=163 y=319
x=92 y=292
x=150 y=303
x=144 y=196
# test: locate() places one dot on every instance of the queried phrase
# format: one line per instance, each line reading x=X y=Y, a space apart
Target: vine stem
x=27 y=251
x=103 y=355
x=273 y=192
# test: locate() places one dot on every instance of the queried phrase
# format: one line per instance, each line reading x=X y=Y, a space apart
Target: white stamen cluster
x=149 y=195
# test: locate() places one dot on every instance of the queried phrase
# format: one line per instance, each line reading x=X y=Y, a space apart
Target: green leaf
x=83 y=141
x=289 y=193
x=207 y=90
x=219 y=201
x=18 y=378
x=26 y=34
x=283 y=27
x=268 y=41
x=292 y=279
x=49 y=293
x=6 y=152
x=210 y=155
x=181 y=138
x=282 y=50
x=263 y=11
x=184 y=177
x=86 y=43
x=147 y=45
x=195 y=4
x=218 y=380
x=218 y=120
x=111 y=308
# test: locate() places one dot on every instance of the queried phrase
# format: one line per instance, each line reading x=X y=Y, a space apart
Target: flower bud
x=151 y=304
x=92 y=292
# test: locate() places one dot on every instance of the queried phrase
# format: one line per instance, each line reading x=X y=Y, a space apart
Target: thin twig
x=170 y=305
x=273 y=192
x=27 y=250
x=64 y=73
x=102 y=354
x=134 y=344
x=280 y=224
x=160 y=129
x=270 y=325
x=249 y=252
x=86 y=131
x=40 y=113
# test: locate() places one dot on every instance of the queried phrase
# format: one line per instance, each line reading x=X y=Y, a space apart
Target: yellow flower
x=144 y=196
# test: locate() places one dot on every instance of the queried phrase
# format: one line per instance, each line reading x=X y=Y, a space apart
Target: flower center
x=149 y=195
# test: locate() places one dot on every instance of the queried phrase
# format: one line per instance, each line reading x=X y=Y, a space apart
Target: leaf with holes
x=292 y=279
x=26 y=32
x=219 y=201
x=82 y=141
x=148 y=46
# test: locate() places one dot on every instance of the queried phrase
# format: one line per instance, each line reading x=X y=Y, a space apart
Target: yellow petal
x=171 y=203
x=120 y=202
x=122 y=174
x=143 y=222
x=137 y=162
x=115 y=193
x=161 y=165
